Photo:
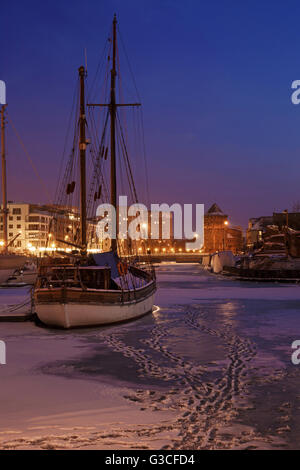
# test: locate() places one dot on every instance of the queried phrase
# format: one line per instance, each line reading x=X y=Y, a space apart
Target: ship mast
x=82 y=149
x=112 y=109
x=4 y=191
x=112 y=106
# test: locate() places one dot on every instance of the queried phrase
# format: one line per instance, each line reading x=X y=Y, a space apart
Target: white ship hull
x=71 y=315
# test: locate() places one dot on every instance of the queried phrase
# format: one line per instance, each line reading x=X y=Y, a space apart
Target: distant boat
x=293 y=243
x=276 y=260
x=23 y=276
x=8 y=264
x=103 y=288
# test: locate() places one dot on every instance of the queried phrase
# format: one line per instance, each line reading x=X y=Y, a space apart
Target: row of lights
x=53 y=246
x=172 y=250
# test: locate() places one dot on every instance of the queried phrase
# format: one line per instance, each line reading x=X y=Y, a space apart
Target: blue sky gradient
x=215 y=80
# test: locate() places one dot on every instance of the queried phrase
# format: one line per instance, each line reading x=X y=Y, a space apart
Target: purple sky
x=215 y=81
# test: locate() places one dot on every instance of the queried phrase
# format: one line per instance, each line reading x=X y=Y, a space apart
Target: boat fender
x=72 y=187
x=122 y=268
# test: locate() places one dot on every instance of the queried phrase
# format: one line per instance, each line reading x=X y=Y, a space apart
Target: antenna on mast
x=85 y=60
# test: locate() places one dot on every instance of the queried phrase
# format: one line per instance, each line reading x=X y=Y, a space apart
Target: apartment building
x=26 y=225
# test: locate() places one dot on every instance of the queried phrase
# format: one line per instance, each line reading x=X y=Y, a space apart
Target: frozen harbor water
x=210 y=369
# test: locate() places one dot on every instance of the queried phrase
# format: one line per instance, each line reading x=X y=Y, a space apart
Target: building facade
x=158 y=224
x=37 y=228
x=26 y=225
x=219 y=235
x=44 y=227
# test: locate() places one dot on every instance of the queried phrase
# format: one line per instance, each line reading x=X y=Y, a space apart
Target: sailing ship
x=9 y=261
x=84 y=289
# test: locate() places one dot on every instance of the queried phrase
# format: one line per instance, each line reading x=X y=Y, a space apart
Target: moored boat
x=25 y=274
x=86 y=295
x=8 y=264
x=108 y=287
x=262 y=275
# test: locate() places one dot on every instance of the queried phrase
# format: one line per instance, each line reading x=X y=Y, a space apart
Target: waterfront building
x=37 y=228
x=160 y=222
x=219 y=234
x=27 y=226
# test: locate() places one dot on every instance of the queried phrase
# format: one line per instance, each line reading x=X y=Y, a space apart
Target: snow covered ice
x=209 y=369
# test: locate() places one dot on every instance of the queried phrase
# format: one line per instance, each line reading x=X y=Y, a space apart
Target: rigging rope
x=128 y=167
x=74 y=106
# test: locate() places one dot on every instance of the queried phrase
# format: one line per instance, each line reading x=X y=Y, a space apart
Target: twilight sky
x=215 y=80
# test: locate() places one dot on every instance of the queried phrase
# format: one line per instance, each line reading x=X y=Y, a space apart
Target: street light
x=225 y=225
